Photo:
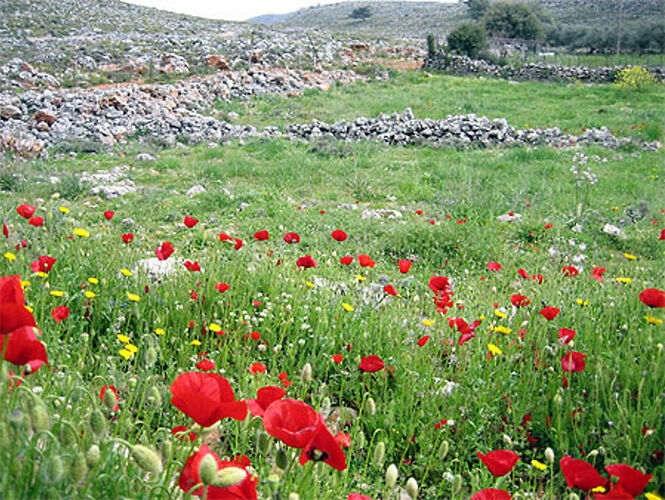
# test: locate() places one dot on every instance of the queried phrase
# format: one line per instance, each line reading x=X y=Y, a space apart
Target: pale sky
x=238 y=10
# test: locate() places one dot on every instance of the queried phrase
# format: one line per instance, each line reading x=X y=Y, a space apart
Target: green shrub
x=467 y=39
x=634 y=78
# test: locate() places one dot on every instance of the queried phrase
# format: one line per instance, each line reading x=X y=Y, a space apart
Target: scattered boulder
x=172 y=64
x=217 y=61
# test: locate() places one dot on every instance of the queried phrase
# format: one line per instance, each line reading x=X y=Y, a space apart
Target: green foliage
x=635 y=78
x=361 y=13
x=477 y=8
x=512 y=20
x=467 y=39
x=431 y=45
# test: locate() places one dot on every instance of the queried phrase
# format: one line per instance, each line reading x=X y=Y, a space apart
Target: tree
x=477 y=8
x=468 y=39
x=512 y=20
x=361 y=13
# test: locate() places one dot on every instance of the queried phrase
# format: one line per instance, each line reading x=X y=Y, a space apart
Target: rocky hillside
x=416 y=19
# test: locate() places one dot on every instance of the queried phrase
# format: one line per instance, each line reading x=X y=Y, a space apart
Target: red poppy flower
x=26 y=211
x=423 y=340
x=550 y=313
x=570 y=271
x=164 y=251
x=60 y=313
x=662 y=235
x=192 y=266
x=324 y=448
x=580 y=474
x=306 y=262
x=616 y=492
x=109 y=214
x=573 y=362
x=291 y=421
x=337 y=358
x=206 y=365
x=206 y=397
x=262 y=235
x=404 y=265
x=114 y=391
x=538 y=278
x=566 y=335
x=390 y=290
x=371 y=364
x=292 y=238
x=5 y=229
x=338 y=235
x=36 y=221
x=127 y=238
x=222 y=287
x=494 y=266
x=183 y=429
x=343 y=439
x=523 y=274
x=43 y=264
x=21 y=347
x=224 y=237
x=491 y=494
x=548 y=225
x=499 y=462
x=419 y=212
x=265 y=396
x=630 y=479
x=597 y=274
x=238 y=243
x=190 y=478
x=255 y=368
x=440 y=285
x=365 y=260
x=520 y=300
x=345 y=261
x=653 y=297
x=190 y=222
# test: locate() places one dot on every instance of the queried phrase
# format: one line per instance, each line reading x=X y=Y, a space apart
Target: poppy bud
x=150 y=356
x=262 y=442
x=573 y=496
x=154 y=397
x=229 y=476
x=294 y=496
x=507 y=440
x=132 y=381
x=282 y=459
x=98 y=422
x=306 y=373
x=17 y=419
x=110 y=400
x=39 y=418
x=412 y=488
x=592 y=454
x=371 y=406
x=558 y=399
x=146 y=458
x=391 y=476
x=67 y=436
x=443 y=450
x=166 y=449
x=52 y=470
x=457 y=484
x=93 y=455
x=208 y=469
x=325 y=406
x=379 y=452
x=549 y=455
x=79 y=468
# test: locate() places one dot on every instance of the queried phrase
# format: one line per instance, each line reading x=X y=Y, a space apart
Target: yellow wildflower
x=538 y=465
x=653 y=320
x=630 y=256
x=126 y=354
x=25 y=284
x=159 y=331
x=494 y=349
x=94 y=281
x=310 y=284
x=123 y=338
x=653 y=496
x=81 y=232
x=125 y=272
x=42 y=274
x=626 y=281
x=582 y=302
x=57 y=293
x=133 y=297
x=428 y=322
x=598 y=489
x=10 y=256
x=214 y=327
x=195 y=342
x=347 y=307
x=29 y=309
x=501 y=329
x=64 y=210
x=500 y=314
x=89 y=294
x=132 y=348
x=360 y=278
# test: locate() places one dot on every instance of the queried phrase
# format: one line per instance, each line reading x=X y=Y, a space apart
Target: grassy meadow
x=443 y=392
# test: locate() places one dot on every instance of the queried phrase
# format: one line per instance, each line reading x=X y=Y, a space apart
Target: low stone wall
x=462 y=65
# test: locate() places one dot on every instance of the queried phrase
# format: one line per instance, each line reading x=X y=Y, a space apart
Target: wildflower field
x=333 y=320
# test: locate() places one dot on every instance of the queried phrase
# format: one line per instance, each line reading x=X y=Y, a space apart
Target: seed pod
x=282 y=459
x=370 y=405
x=391 y=476
x=573 y=496
x=360 y=440
x=412 y=488
x=229 y=476
x=110 y=400
x=507 y=440
x=208 y=469
x=17 y=419
x=443 y=450
x=325 y=406
x=549 y=455
x=294 y=496
x=262 y=442
x=39 y=417
x=150 y=357
x=93 y=455
x=98 y=422
x=147 y=458
x=166 y=449
x=132 y=382
x=67 y=436
x=154 y=397
x=306 y=373
x=379 y=452
x=457 y=484
x=52 y=470
x=78 y=468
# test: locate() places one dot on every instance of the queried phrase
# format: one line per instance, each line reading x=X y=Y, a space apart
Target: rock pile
x=462 y=65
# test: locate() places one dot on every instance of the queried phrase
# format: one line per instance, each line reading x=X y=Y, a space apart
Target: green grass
x=301 y=318
x=526 y=104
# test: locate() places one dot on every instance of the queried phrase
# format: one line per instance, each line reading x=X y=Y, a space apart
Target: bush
x=513 y=20
x=468 y=39
x=634 y=78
